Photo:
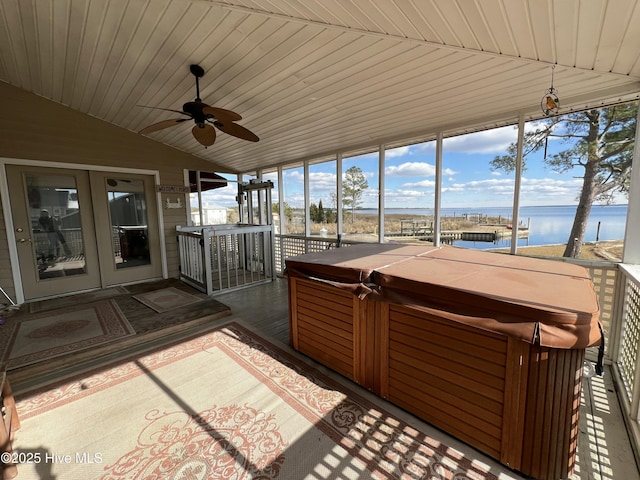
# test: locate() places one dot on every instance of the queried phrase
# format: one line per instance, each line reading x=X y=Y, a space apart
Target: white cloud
x=411 y=169
x=220 y=197
x=421 y=184
x=322 y=181
x=549 y=187
x=486 y=142
x=542 y=191
x=273 y=176
x=415 y=169
x=484 y=185
x=401 y=198
x=492 y=141
x=292 y=175
x=398 y=152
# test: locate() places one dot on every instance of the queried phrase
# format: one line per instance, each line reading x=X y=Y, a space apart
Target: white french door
x=126 y=217
x=78 y=230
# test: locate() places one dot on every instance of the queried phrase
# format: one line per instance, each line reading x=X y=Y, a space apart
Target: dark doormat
x=145 y=319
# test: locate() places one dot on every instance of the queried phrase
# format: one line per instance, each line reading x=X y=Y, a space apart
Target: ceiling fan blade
x=166 y=110
x=237 y=131
x=221 y=113
x=163 y=124
x=205 y=135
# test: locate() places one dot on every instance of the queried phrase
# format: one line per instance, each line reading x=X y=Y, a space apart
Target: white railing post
x=271 y=250
x=212 y=255
x=220 y=254
x=193 y=257
x=205 y=239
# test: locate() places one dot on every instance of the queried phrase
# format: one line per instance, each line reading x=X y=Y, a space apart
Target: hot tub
x=488 y=347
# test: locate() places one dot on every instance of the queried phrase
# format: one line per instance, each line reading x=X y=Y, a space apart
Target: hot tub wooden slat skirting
x=487 y=347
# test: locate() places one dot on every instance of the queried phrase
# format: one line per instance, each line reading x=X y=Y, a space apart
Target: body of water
x=547 y=224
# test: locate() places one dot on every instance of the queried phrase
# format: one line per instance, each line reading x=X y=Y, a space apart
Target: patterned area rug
x=229 y=405
x=166 y=299
x=49 y=334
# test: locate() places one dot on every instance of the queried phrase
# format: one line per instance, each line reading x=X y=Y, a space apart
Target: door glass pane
x=128 y=212
x=55 y=223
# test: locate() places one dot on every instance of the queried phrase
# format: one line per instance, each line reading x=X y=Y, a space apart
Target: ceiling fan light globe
x=205 y=135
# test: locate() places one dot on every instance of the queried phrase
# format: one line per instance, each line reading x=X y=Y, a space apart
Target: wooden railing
x=217 y=258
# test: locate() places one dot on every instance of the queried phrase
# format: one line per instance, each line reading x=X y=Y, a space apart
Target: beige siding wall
x=6 y=279
x=34 y=128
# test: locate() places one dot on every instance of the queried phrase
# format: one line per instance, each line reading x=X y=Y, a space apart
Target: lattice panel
x=289 y=247
x=319 y=245
x=630 y=336
x=277 y=253
x=604 y=281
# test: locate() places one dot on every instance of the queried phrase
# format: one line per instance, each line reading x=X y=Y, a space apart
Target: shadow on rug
x=229 y=404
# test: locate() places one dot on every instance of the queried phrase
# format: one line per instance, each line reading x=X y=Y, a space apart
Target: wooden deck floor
x=604 y=450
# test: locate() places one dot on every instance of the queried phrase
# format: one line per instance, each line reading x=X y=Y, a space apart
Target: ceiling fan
x=205 y=118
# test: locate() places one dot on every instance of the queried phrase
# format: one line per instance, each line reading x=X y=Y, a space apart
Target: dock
x=449 y=236
x=453 y=235
x=423 y=230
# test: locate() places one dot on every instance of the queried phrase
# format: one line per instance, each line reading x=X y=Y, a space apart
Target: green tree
x=313 y=213
x=288 y=211
x=352 y=187
x=600 y=142
x=330 y=216
x=316 y=212
x=321 y=217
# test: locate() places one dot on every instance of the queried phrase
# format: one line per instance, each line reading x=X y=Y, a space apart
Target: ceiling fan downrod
x=197 y=72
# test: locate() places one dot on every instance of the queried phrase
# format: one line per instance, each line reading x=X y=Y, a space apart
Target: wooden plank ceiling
x=315 y=77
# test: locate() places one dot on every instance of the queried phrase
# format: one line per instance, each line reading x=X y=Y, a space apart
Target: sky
x=467 y=181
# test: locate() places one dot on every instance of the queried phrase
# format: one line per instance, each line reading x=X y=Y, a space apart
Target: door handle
x=24 y=240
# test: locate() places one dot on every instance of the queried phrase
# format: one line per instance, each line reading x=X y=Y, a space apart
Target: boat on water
x=521 y=227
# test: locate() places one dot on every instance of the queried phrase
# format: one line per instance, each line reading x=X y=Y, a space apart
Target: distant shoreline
x=487 y=209
x=493 y=207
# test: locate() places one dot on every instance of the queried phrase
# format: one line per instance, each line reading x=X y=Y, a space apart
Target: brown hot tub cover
x=544 y=302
